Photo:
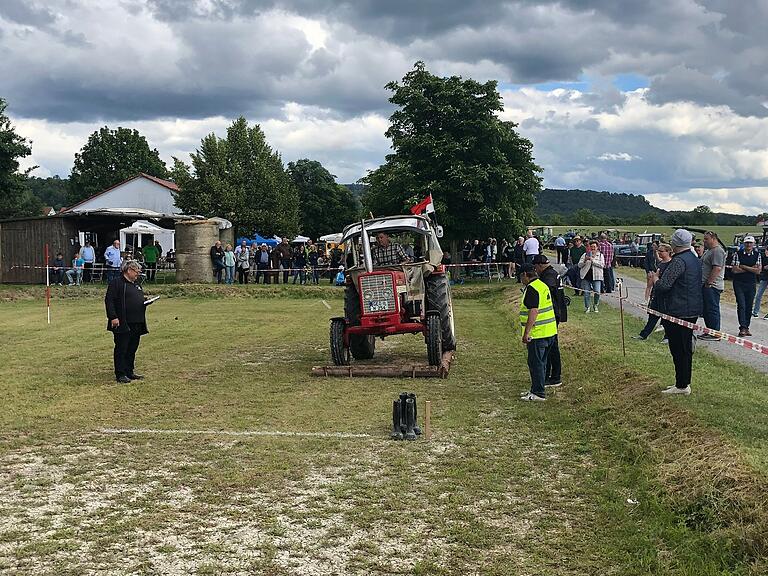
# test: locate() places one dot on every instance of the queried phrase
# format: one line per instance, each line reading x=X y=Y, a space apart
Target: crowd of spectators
x=298 y=263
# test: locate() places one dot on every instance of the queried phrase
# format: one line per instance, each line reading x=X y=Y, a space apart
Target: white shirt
x=531 y=246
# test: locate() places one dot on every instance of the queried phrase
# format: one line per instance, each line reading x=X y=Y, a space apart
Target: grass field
x=606 y=477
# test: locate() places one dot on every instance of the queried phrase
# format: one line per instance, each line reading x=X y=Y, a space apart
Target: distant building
x=48 y=211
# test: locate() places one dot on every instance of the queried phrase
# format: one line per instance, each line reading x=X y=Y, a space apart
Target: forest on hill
x=592 y=208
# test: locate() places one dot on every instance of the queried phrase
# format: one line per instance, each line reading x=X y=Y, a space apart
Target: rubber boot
x=403 y=411
x=416 y=427
x=409 y=433
x=397 y=434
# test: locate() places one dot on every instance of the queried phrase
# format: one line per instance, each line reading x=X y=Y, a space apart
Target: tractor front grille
x=378 y=293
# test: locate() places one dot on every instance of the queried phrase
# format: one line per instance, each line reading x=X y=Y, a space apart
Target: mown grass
x=504 y=488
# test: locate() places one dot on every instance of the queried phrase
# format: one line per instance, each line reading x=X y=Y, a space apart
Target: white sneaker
x=659 y=329
x=587 y=311
x=595 y=310
x=665 y=341
x=676 y=390
x=531 y=397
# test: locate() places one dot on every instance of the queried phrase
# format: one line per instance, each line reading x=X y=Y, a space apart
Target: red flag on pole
x=425 y=205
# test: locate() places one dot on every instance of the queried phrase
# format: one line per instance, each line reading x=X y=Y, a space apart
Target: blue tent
x=258 y=239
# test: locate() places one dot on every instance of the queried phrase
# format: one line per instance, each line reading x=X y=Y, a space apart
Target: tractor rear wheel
x=362 y=346
x=339 y=352
x=434 y=339
x=439 y=300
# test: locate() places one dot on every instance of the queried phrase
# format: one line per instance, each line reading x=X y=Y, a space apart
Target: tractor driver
x=386 y=253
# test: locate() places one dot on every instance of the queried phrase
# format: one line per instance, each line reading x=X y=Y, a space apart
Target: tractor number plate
x=378 y=306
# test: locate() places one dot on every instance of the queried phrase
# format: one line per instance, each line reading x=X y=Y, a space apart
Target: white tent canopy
x=141 y=233
x=335 y=238
x=300 y=239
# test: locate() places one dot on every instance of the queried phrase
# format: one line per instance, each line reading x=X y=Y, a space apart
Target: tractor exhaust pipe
x=367 y=258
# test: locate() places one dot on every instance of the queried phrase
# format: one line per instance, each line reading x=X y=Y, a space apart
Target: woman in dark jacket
x=126 y=319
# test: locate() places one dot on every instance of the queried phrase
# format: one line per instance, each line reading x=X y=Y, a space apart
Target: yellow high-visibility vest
x=545 y=325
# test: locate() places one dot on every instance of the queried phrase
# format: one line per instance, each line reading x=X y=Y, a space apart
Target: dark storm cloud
x=227 y=60
x=26 y=13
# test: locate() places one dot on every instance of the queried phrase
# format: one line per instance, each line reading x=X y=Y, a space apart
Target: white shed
x=143 y=192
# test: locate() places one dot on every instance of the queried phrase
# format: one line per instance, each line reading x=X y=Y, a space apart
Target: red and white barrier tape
x=723 y=336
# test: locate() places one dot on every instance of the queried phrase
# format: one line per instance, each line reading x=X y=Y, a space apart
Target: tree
x=324 y=206
x=585 y=217
x=240 y=178
x=51 y=191
x=15 y=198
x=650 y=218
x=108 y=158
x=448 y=141
x=702 y=215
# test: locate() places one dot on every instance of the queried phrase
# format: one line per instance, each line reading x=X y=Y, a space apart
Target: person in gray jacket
x=679 y=294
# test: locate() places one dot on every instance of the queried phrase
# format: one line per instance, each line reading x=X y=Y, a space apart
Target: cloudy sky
x=667 y=98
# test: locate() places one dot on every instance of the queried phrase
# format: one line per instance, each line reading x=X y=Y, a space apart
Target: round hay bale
x=194 y=268
x=193 y=250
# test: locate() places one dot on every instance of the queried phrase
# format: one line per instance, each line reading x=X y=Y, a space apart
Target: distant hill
x=564 y=202
x=590 y=207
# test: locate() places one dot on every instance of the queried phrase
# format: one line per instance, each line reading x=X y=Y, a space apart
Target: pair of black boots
x=405 y=418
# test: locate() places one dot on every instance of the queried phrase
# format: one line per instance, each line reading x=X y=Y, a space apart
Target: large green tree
x=324 y=206
x=108 y=158
x=240 y=178
x=448 y=141
x=15 y=198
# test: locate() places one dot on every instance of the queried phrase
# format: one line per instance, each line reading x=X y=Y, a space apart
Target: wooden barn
x=22 y=241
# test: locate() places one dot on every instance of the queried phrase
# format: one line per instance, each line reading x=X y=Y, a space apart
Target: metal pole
x=428 y=420
x=47 y=283
x=621 y=314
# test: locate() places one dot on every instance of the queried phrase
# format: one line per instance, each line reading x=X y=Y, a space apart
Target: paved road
x=729 y=324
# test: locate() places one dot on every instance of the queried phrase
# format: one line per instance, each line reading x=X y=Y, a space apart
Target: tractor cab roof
x=418 y=224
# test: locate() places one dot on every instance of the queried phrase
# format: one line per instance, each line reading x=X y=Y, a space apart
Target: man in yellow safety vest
x=538 y=327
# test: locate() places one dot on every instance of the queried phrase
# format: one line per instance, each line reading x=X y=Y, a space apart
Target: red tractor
x=386 y=296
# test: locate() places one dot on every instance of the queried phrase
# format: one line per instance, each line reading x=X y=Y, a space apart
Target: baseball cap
x=749 y=239
x=540 y=259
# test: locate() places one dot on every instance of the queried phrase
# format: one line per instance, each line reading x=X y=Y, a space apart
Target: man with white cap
x=678 y=293
x=746 y=269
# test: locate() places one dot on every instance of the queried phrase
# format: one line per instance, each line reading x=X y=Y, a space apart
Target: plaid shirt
x=389 y=256
x=606 y=248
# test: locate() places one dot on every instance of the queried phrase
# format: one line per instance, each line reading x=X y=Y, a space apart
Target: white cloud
x=617 y=157
x=748 y=200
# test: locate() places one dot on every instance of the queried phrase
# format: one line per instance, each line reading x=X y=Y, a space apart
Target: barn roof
x=165 y=183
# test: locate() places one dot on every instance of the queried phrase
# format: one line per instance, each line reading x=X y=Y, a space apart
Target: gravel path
x=729 y=324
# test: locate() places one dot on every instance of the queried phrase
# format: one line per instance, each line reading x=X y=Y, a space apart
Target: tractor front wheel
x=434 y=338
x=339 y=352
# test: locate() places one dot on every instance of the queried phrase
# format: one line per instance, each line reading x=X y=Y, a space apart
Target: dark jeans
x=87 y=269
x=262 y=269
x=681 y=348
x=649 y=326
x=538 y=352
x=126 y=344
x=112 y=273
x=562 y=254
x=218 y=272
x=554 y=364
x=608 y=281
x=151 y=269
x=286 y=264
x=529 y=258
x=242 y=275
x=745 y=300
x=711 y=299
x=57 y=276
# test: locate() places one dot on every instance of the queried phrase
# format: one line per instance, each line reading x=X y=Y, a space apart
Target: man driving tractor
x=387 y=253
